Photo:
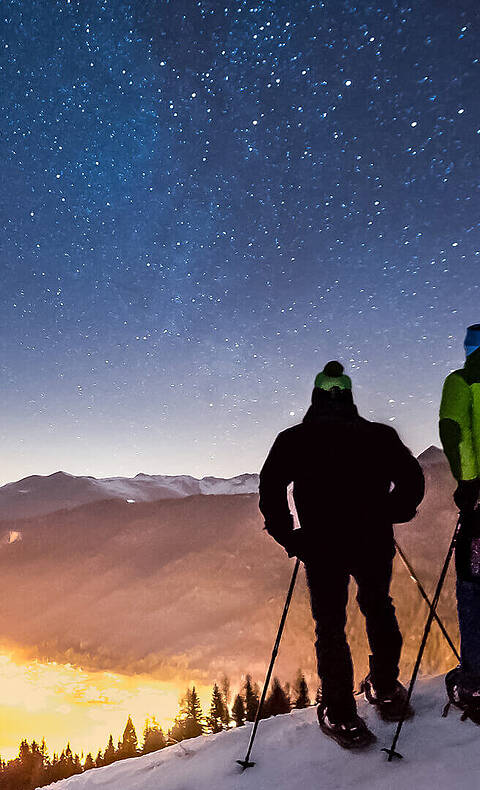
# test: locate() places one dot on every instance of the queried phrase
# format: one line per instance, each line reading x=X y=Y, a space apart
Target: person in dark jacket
x=352 y=480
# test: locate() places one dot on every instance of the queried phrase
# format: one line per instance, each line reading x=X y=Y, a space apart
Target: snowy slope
x=38 y=495
x=292 y=754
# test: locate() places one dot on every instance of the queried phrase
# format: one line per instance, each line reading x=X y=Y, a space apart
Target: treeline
x=34 y=768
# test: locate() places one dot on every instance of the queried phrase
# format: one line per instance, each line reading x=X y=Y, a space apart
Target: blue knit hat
x=472 y=339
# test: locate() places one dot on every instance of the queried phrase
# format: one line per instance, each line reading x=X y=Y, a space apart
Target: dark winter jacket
x=352 y=479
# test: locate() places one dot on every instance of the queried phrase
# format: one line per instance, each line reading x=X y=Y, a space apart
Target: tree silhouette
x=226 y=695
x=193 y=715
x=153 y=737
x=302 y=699
x=225 y=689
x=109 y=755
x=129 y=743
x=30 y=763
x=251 y=699
x=176 y=732
x=216 y=716
x=33 y=768
x=277 y=702
x=238 y=711
x=189 y=722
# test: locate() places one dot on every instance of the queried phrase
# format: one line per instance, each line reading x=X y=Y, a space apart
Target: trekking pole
x=246 y=763
x=391 y=752
x=425 y=597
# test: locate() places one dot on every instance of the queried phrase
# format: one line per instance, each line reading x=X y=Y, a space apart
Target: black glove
x=400 y=510
x=295 y=546
x=466 y=495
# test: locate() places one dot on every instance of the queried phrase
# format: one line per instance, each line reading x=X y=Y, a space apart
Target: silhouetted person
x=460 y=435
x=352 y=479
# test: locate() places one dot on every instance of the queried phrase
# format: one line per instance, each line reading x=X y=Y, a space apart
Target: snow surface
x=291 y=753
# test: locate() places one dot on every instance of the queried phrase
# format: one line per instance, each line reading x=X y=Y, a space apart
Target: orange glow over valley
x=60 y=702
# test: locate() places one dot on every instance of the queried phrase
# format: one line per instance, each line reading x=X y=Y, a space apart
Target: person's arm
x=457 y=440
x=275 y=477
x=456 y=427
x=407 y=479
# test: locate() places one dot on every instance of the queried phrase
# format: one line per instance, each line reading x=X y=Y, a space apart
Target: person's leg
x=328 y=596
x=373 y=576
x=468 y=605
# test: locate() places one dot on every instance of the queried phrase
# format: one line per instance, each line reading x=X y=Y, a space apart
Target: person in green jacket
x=460 y=437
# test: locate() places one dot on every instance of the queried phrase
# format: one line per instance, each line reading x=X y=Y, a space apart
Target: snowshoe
x=352 y=734
x=466 y=700
x=391 y=706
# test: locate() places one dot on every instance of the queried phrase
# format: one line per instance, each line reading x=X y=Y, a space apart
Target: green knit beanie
x=332 y=376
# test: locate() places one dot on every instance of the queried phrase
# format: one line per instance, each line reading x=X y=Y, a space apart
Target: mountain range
x=40 y=494
x=187 y=586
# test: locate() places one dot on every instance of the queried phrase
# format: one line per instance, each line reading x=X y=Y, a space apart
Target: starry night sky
x=203 y=202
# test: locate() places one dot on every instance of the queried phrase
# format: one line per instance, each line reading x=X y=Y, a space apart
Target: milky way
x=202 y=203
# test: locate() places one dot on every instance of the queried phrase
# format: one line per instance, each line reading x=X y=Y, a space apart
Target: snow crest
x=291 y=753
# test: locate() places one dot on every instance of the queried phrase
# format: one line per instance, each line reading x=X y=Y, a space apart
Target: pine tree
x=251 y=699
x=44 y=751
x=302 y=699
x=110 y=754
x=77 y=765
x=176 y=733
x=52 y=769
x=238 y=711
x=277 y=702
x=153 y=737
x=194 y=716
x=225 y=690
x=69 y=761
x=99 y=760
x=61 y=771
x=89 y=762
x=38 y=764
x=129 y=743
x=216 y=716
x=30 y=765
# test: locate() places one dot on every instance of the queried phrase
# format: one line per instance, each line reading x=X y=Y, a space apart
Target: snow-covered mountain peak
x=432 y=455
x=38 y=495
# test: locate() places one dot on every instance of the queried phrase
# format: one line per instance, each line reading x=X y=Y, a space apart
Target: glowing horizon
x=63 y=703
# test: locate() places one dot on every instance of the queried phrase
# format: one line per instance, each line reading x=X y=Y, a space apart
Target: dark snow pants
x=468 y=606
x=467 y=561
x=328 y=585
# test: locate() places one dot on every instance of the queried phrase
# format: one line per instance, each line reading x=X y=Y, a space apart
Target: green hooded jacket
x=460 y=419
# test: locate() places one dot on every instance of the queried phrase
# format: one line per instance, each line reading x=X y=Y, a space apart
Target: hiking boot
x=464 y=698
x=351 y=734
x=391 y=705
